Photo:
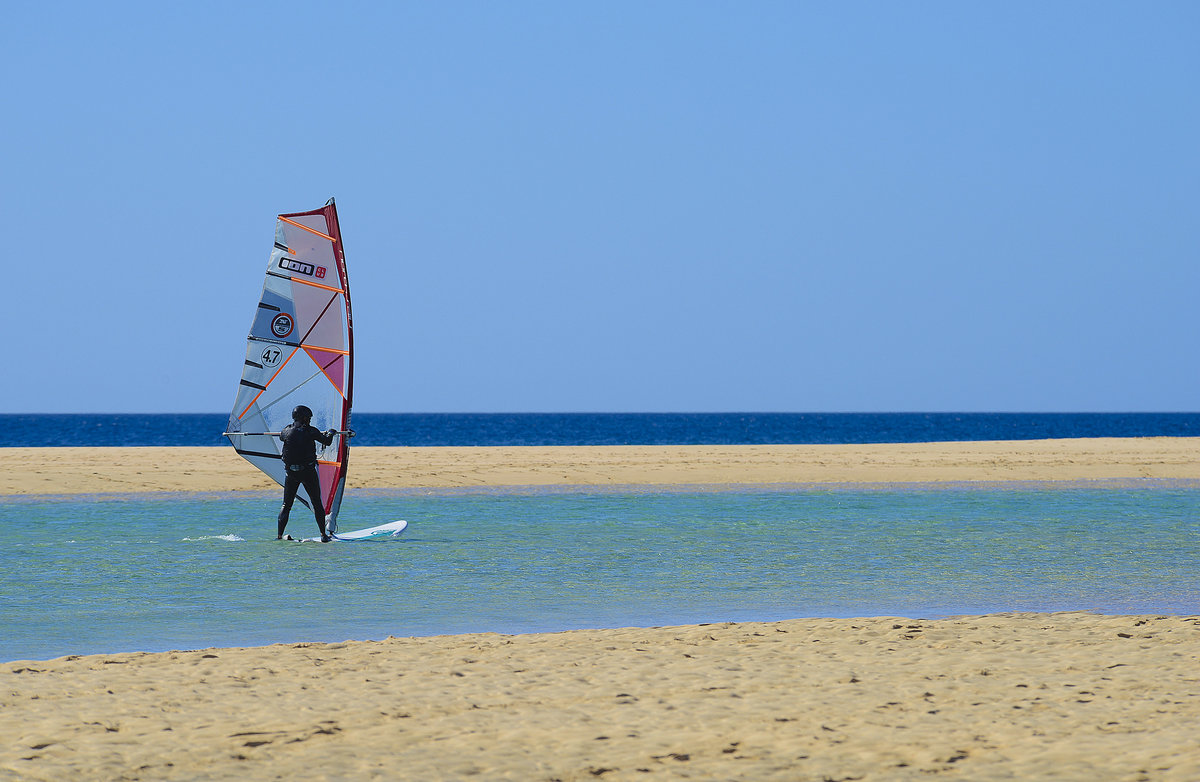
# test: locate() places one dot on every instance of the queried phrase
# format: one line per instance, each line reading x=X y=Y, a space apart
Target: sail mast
x=335 y=502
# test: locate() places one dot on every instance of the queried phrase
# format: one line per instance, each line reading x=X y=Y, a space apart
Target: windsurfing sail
x=300 y=351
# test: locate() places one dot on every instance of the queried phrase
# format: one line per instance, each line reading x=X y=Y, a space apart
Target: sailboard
x=300 y=351
x=381 y=532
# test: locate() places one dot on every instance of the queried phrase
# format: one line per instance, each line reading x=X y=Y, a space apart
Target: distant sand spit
x=1013 y=696
x=33 y=471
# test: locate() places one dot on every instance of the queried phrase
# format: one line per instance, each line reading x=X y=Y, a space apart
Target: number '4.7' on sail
x=300 y=351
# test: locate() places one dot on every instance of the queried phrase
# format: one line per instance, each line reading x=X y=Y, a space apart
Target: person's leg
x=312 y=484
x=290 y=485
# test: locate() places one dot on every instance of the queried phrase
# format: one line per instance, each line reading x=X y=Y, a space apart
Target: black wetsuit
x=300 y=458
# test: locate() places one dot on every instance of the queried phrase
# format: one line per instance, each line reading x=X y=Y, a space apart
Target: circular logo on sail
x=282 y=325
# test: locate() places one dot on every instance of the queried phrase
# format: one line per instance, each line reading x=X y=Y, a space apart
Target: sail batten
x=299 y=351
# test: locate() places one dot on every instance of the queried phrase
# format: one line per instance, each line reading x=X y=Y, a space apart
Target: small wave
x=230 y=538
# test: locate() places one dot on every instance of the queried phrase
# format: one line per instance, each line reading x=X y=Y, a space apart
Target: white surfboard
x=381 y=532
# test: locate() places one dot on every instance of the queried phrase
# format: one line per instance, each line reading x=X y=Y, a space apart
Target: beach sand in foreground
x=39 y=471
x=1013 y=696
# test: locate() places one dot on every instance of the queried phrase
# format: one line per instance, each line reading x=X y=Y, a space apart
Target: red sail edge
x=333 y=481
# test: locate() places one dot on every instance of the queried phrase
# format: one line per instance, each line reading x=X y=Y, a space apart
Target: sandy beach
x=1007 y=696
x=1020 y=696
x=34 y=471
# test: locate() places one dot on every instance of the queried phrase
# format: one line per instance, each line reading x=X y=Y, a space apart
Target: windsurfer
x=300 y=440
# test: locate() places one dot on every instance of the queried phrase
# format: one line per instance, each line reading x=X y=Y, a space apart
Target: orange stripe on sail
x=269 y=382
x=317 y=285
x=306 y=228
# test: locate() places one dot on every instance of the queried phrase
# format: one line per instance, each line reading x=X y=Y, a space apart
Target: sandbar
x=43 y=471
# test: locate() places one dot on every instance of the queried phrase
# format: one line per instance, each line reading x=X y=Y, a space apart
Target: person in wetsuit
x=300 y=440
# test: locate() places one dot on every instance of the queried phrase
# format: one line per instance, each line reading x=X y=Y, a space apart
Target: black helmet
x=301 y=413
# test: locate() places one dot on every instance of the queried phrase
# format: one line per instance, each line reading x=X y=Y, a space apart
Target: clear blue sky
x=613 y=206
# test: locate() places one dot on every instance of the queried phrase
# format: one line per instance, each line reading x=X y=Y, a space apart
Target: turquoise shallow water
x=91 y=575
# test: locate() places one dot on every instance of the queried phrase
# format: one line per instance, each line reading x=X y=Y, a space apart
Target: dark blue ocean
x=509 y=429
